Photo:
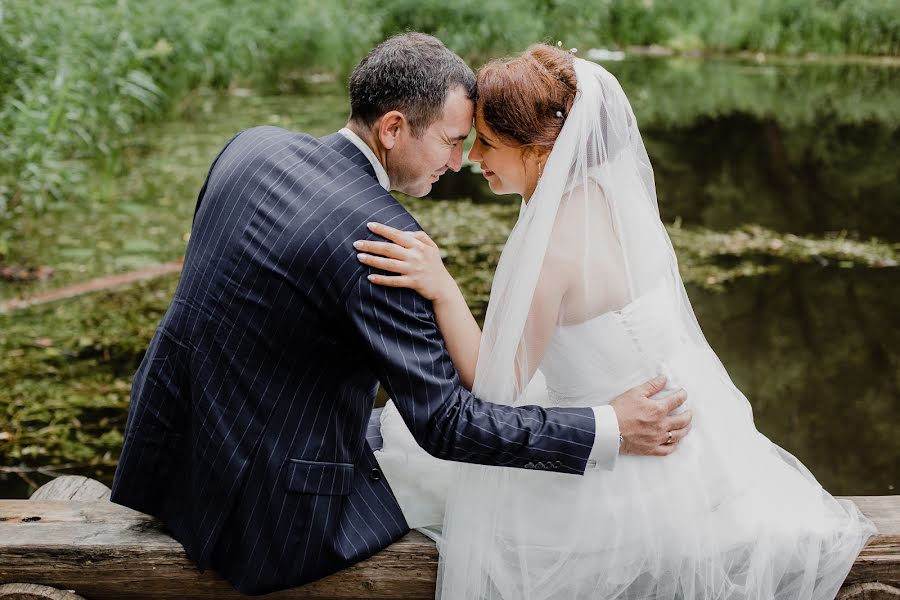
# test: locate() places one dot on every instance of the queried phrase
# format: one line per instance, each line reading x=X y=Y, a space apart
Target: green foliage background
x=76 y=76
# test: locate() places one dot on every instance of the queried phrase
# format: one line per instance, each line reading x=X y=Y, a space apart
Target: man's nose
x=455 y=163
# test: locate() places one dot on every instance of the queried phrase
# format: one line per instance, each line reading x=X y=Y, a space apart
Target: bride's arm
x=543 y=317
x=417 y=261
x=461 y=333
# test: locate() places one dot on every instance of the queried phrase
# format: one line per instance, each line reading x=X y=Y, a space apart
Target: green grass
x=65 y=374
x=78 y=77
x=480 y=29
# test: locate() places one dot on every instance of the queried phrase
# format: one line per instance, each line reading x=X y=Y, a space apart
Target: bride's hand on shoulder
x=413 y=256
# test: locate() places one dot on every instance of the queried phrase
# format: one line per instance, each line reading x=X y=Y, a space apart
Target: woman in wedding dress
x=587 y=301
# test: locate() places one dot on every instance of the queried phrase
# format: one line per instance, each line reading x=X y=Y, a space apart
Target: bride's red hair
x=525 y=99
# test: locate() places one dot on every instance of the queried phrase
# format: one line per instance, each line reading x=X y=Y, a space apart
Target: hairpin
x=559 y=114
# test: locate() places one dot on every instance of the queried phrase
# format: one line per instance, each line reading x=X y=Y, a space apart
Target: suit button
x=529 y=466
x=375 y=474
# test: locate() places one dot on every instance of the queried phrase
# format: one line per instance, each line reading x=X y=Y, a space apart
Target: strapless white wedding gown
x=727 y=515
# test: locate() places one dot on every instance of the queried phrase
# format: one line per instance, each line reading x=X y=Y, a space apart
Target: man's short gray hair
x=411 y=73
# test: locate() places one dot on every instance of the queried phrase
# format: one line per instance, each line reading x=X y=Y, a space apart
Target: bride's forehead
x=484 y=130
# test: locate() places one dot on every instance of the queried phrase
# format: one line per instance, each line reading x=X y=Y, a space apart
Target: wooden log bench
x=68 y=542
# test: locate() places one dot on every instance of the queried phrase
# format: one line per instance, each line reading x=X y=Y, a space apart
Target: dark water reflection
x=725 y=171
x=795 y=148
x=815 y=352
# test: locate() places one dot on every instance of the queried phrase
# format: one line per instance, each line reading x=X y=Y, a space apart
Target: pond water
x=798 y=148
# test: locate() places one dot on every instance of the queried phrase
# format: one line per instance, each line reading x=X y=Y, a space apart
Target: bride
x=587 y=301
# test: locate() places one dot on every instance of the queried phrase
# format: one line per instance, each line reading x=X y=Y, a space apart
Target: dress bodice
x=599 y=358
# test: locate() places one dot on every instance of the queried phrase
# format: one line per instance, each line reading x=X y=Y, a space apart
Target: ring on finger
x=669 y=439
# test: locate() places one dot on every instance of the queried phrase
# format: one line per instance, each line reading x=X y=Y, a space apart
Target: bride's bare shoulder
x=584 y=213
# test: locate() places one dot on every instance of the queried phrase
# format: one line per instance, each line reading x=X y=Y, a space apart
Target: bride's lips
x=487 y=173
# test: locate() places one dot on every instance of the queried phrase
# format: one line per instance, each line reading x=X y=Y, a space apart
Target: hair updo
x=525 y=99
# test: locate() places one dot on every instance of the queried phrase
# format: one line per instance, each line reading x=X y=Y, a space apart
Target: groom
x=246 y=433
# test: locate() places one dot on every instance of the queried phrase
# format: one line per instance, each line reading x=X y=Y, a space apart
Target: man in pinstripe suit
x=247 y=427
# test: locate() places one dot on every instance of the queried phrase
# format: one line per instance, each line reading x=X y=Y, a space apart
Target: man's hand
x=645 y=422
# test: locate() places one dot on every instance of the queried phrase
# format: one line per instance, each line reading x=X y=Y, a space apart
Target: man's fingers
x=667 y=447
x=673 y=401
x=679 y=421
x=677 y=435
x=403 y=238
x=653 y=386
x=663 y=450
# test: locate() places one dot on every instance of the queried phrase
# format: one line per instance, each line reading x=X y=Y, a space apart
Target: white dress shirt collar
x=380 y=173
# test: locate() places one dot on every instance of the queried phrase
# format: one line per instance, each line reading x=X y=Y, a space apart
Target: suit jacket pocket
x=320 y=478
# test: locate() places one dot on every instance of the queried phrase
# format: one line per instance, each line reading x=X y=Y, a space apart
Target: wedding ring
x=669 y=441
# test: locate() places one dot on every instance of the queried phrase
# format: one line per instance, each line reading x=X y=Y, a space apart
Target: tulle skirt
x=728 y=515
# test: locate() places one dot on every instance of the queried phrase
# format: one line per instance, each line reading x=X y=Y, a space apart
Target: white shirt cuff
x=606 y=439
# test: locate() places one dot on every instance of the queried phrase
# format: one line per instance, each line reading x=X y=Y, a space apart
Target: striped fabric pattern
x=247 y=429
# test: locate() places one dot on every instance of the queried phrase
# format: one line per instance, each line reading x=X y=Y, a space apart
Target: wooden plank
x=103 y=550
x=29 y=591
x=879 y=561
x=868 y=591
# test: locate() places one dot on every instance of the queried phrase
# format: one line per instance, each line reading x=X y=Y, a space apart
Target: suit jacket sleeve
x=397 y=328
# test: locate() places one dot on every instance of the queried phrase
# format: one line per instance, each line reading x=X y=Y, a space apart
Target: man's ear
x=389 y=128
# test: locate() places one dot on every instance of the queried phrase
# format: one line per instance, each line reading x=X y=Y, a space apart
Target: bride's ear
x=536 y=155
x=390 y=127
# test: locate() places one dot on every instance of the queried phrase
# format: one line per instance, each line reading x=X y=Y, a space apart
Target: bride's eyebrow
x=485 y=139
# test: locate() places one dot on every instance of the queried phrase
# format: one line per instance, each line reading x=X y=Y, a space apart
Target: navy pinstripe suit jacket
x=246 y=433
